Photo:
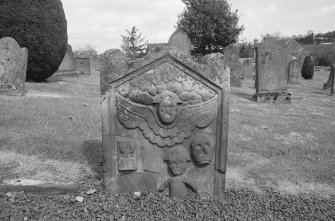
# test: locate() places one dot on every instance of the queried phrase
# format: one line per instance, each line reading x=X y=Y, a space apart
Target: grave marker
x=153 y=116
x=180 y=40
x=13 y=67
x=271 y=76
x=231 y=54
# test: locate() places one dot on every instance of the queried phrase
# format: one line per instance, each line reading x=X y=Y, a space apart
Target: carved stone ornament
x=202 y=148
x=127 y=159
x=168 y=124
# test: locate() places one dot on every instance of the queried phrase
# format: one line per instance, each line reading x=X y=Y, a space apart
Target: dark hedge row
x=239 y=204
x=41 y=27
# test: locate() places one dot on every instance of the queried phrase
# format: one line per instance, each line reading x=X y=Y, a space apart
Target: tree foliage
x=134 y=45
x=41 y=27
x=307 y=70
x=210 y=24
x=86 y=51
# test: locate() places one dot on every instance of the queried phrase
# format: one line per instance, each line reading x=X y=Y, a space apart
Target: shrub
x=307 y=70
x=41 y=27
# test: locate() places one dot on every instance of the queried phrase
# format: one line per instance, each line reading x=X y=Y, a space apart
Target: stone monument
x=271 y=76
x=68 y=63
x=83 y=65
x=294 y=71
x=231 y=54
x=180 y=39
x=13 y=67
x=247 y=68
x=165 y=123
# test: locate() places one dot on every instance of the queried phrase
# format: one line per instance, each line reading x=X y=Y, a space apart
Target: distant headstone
x=68 y=63
x=180 y=40
x=83 y=65
x=294 y=71
x=13 y=67
x=165 y=124
x=247 y=68
x=231 y=54
x=329 y=83
x=272 y=75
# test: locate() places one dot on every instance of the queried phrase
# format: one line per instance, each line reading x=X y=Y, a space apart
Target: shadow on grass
x=242 y=95
x=92 y=150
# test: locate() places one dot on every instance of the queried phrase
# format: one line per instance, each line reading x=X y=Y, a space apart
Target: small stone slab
x=39 y=187
x=283 y=97
x=13 y=67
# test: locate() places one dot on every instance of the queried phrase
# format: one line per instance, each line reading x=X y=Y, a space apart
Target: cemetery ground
x=281 y=157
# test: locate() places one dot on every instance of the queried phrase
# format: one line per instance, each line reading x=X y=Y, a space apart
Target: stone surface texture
x=83 y=65
x=151 y=112
x=68 y=63
x=13 y=67
x=180 y=39
x=247 y=68
x=231 y=54
x=272 y=67
x=294 y=72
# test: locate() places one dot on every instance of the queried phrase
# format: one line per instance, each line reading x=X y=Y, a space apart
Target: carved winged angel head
x=165 y=123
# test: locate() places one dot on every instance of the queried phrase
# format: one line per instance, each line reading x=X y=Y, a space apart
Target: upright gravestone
x=165 y=124
x=180 y=39
x=13 y=67
x=68 y=64
x=272 y=74
x=83 y=65
x=247 y=68
x=294 y=71
x=231 y=54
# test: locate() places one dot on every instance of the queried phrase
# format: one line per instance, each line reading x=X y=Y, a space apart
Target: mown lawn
x=54 y=134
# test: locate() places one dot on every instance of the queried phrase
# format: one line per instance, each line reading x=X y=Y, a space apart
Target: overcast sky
x=101 y=22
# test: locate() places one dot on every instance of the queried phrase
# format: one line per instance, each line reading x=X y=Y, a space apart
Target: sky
x=100 y=23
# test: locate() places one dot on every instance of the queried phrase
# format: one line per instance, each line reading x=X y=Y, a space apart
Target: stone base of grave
x=12 y=91
x=276 y=97
x=326 y=85
x=35 y=186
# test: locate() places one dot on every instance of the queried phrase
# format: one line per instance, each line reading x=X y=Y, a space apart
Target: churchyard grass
x=54 y=132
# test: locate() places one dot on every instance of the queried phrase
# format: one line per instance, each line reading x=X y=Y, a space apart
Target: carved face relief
x=202 y=148
x=177 y=158
x=167 y=109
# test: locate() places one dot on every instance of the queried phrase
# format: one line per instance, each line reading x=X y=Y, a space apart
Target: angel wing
x=133 y=115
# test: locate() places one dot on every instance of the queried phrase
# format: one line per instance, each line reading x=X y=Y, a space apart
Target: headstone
x=83 y=65
x=272 y=74
x=247 y=68
x=328 y=84
x=68 y=63
x=231 y=54
x=294 y=71
x=180 y=40
x=165 y=124
x=13 y=67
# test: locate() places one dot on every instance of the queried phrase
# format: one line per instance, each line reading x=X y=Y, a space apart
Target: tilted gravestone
x=272 y=77
x=231 y=54
x=180 y=39
x=13 y=67
x=165 y=124
x=68 y=63
x=294 y=71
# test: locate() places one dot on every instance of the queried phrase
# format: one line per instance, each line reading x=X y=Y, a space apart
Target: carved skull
x=202 y=148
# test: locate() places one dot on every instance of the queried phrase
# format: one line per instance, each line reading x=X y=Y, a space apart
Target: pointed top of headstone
x=180 y=40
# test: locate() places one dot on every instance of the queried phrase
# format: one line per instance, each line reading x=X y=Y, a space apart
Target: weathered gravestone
x=13 y=67
x=165 y=124
x=272 y=77
x=247 y=68
x=68 y=63
x=180 y=39
x=83 y=65
x=330 y=83
x=294 y=71
x=231 y=54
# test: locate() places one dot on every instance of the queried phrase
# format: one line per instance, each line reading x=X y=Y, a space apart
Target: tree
x=210 y=24
x=133 y=44
x=86 y=51
x=307 y=70
x=41 y=27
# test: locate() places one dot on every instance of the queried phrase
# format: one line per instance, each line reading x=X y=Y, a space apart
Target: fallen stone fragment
x=91 y=191
x=80 y=199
